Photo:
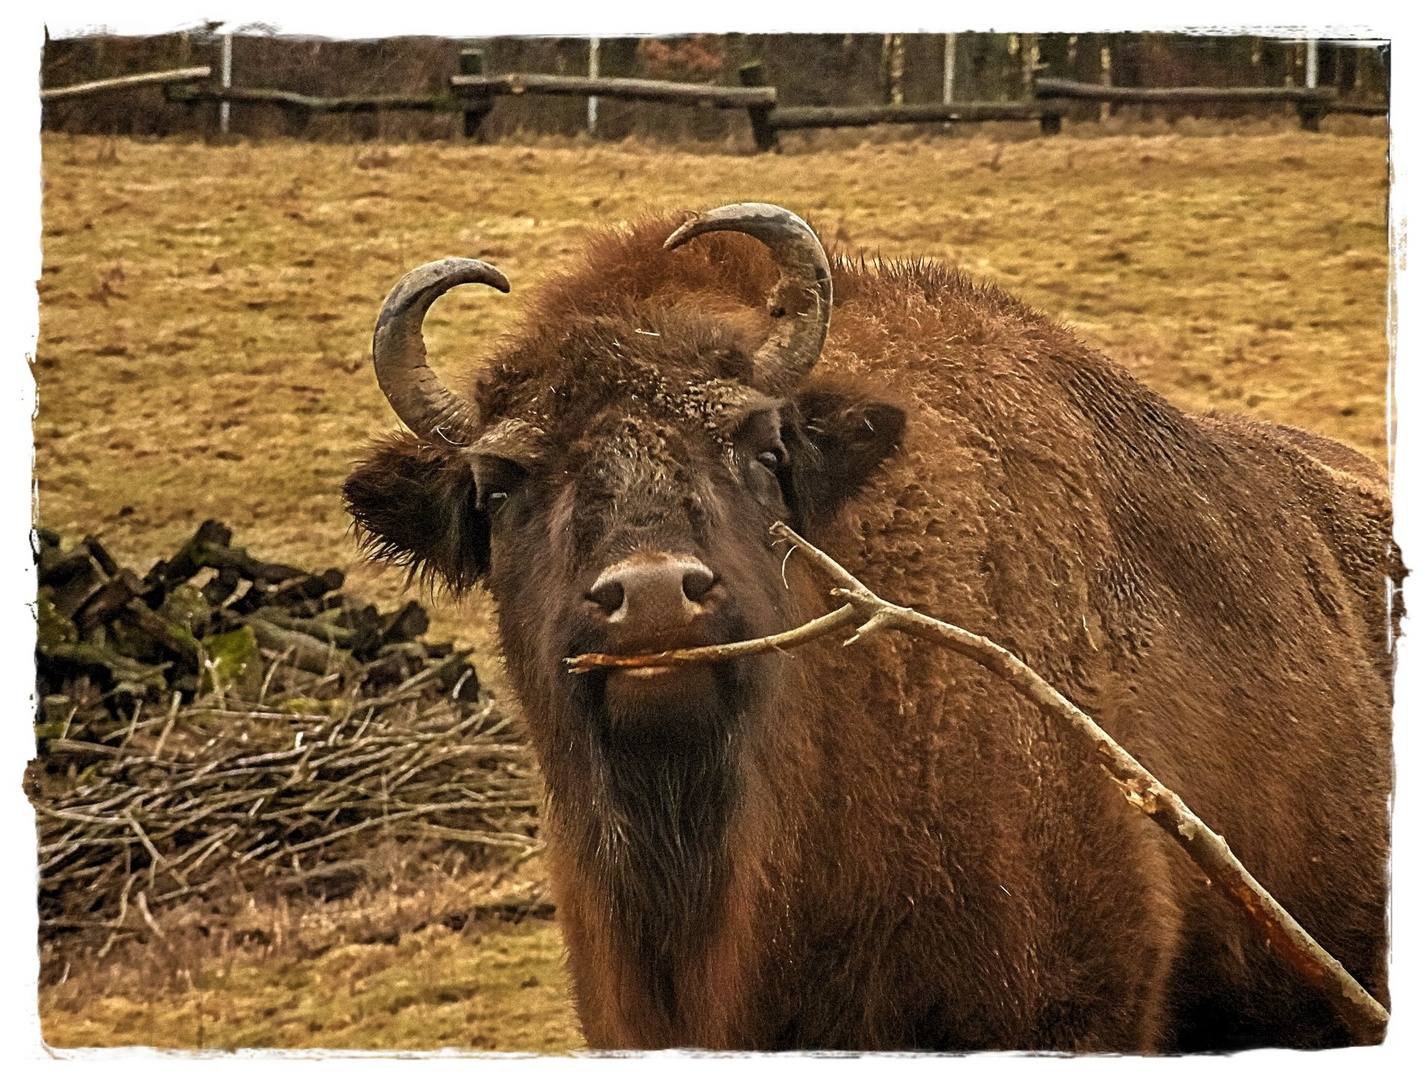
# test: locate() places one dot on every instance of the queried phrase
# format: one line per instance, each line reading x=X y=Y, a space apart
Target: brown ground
x=205 y=320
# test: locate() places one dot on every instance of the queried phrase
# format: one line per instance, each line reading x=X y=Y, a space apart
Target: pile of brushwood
x=224 y=723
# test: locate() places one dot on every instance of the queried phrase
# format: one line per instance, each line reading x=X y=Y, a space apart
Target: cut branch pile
x=224 y=722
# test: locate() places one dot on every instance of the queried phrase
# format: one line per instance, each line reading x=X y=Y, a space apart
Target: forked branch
x=1361 y=1013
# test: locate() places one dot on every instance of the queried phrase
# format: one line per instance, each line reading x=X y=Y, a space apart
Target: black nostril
x=698 y=580
x=609 y=594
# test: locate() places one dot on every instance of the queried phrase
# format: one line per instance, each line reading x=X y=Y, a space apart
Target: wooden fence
x=476 y=101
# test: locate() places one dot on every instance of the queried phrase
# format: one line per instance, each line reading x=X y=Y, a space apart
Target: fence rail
x=1311 y=102
x=725 y=97
x=792 y=117
x=126 y=82
x=353 y=103
x=1359 y=108
x=1179 y=95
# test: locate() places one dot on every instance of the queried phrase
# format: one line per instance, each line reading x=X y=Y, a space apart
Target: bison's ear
x=415 y=505
x=841 y=440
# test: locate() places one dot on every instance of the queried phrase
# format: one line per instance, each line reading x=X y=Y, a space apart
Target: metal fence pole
x=1309 y=116
x=1106 y=77
x=226 y=78
x=949 y=66
x=592 y=105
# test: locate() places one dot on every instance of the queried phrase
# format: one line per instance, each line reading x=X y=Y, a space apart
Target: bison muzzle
x=882 y=847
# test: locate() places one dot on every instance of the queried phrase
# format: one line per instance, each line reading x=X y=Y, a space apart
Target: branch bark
x=1360 y=1012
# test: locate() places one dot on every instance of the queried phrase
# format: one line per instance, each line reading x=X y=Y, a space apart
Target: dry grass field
x=205 y=323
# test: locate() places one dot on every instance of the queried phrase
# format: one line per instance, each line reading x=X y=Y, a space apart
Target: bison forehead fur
x=882 y=847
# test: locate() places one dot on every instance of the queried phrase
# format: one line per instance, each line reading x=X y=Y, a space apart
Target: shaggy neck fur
x=645 y=818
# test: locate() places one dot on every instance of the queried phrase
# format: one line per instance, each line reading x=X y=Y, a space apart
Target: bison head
x=614 y=473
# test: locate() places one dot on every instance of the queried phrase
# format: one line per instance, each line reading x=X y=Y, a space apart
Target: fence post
x=473 y=62
x=1050 y=121
x=765 y=136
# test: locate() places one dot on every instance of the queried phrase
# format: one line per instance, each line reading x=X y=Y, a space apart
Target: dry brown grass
x=503 y=990
x=405 y=966
x=206 y=313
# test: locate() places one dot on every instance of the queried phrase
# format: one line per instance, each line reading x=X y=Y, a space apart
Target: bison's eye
x=497 y=479
x=762 y=459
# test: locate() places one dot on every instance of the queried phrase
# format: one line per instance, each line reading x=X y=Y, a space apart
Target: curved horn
x=801 y=301
x=399 y=353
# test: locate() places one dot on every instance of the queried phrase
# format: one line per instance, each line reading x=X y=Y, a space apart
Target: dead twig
x=799 y=635
x=149 y=918
x=1360 y=1012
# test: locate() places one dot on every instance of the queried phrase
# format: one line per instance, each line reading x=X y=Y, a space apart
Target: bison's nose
x=652 y=591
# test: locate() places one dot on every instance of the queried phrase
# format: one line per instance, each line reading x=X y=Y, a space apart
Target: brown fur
x=882 y=846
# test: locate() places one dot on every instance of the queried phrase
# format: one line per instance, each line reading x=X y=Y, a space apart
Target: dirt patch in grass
x=205 y=323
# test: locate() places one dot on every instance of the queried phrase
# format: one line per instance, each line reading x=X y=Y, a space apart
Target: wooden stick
x=419 y=752
x=1363 y=1015
x=819 y=627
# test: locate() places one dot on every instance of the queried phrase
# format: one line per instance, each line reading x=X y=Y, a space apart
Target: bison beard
x=875 y=848
x=663 y=785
